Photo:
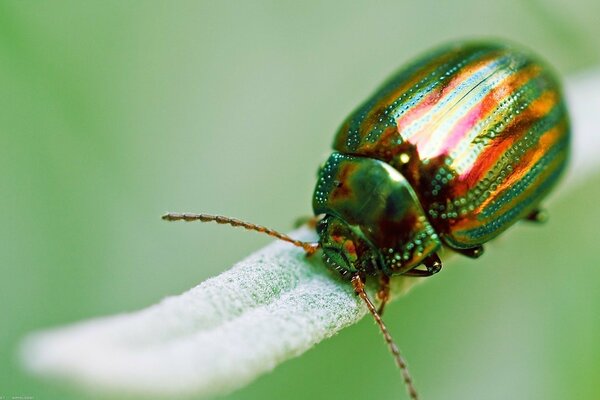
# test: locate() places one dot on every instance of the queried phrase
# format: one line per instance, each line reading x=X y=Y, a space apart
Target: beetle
x=450 y=151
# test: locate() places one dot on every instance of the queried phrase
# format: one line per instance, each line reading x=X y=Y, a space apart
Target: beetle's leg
x=383 y=295
x=432 y=263
x=473 y=252
x=538 y=215
x=311 y=222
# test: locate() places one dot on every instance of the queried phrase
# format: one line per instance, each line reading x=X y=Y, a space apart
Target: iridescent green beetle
x=451 y=151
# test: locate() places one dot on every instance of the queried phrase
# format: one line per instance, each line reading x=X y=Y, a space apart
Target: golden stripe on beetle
x=450 y=151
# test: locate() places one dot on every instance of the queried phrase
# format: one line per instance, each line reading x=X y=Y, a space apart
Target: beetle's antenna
x=359 y=288
x=310 y=248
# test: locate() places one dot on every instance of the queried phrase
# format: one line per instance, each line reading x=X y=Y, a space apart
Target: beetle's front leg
x=311 y=222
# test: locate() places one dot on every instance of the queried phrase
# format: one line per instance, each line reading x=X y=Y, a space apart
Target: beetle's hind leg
x=383 y=294
x=539 y=215
x=473 y=252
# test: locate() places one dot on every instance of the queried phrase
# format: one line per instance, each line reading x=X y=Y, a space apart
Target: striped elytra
x=480 y=133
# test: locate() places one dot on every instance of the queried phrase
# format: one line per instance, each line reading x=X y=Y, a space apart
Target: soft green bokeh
x=114 y=112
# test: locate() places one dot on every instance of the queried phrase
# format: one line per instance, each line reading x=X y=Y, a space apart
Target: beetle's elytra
x=450 y=151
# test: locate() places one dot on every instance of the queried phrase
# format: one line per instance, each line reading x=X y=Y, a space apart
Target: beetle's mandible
x=449 y=152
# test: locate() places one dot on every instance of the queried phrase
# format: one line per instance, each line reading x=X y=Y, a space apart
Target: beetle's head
x=345 y=248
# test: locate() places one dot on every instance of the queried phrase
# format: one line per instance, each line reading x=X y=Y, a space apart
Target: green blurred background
x=114 y=112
